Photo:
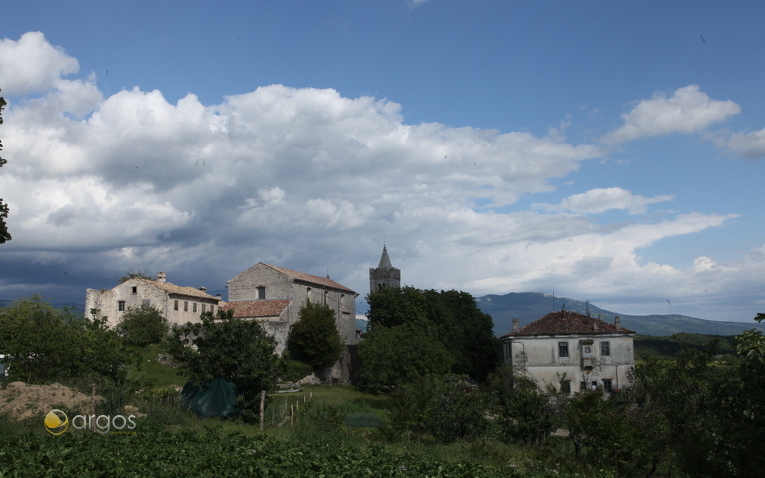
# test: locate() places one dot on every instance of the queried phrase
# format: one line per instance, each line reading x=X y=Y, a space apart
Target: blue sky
x=610 y=151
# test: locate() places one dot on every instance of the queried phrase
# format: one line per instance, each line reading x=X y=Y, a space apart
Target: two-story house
x=572 y=351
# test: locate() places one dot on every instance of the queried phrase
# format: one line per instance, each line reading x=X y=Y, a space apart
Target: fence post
x=92 y=406
x=262 y=402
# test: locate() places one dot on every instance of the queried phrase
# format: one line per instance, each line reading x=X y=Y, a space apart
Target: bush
x=313 y=338
x=296 y=370
x=143 y=326
x=447 y=407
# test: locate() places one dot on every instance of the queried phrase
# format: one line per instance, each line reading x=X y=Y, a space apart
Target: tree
x=394 y=355
x=236 y=349
x=525 y=413
x=143 y=326
x=452 y=317
x=4 y=234
x=45 y=343
x=314 y=338
x=446 y=406
x=133 y=275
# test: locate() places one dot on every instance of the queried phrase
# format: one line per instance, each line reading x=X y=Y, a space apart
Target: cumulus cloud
x=749 y=145
x=31 y=64
x=308 y=179
x=688 y=110
x=596 y=201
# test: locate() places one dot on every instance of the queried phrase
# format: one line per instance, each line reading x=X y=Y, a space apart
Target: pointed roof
x=568 y=323
x=385 y=260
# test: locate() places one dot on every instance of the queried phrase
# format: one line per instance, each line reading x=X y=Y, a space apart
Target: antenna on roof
x=327 y=273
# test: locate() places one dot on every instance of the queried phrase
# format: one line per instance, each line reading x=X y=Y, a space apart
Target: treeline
x=416 y=332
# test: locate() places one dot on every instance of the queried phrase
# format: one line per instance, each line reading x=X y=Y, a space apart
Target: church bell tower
x=385 y=275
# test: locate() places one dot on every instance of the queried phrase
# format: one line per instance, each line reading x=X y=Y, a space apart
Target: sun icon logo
x=56 y=422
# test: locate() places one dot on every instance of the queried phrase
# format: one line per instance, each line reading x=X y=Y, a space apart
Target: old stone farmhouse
x=273 y=295
x=589 y=351
x=178 y=304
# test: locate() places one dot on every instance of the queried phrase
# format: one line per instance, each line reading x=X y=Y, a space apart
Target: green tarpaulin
x=216 y=397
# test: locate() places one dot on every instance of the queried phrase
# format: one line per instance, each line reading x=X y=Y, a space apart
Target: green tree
x=314 y=338
x=238 y=350
x=452 y=317
x=143 y=325
x=446 y=406
x=394 y=355
x=45 y=343
x=133 y=275
x=525 y=413
x=4 y=234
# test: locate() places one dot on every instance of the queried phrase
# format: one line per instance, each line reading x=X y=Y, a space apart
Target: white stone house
x=589 y=351
x=273 y=295
x=178 y=304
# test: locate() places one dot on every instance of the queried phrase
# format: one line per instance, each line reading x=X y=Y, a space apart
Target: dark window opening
x=185 y=305
x=134 y=290
x=565 y=386
x=175 y=305
x=121 y=305
x=607 y=384
x=605 y=349
x=194 y=307
x=261 y=292
x=562 y=349
x=582 y=385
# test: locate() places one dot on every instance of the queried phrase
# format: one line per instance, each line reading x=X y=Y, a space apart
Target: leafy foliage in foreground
x=314 y=338
x=156 y=452
x=143 y=326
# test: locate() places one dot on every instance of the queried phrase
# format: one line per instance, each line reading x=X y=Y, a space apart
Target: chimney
x=203 y=289
x=218 y=296
x=161 y=277
x=617 y=320
x=595 y=325
x=516 y=324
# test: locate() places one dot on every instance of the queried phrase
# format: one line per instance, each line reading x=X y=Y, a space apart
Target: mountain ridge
x=529 y=306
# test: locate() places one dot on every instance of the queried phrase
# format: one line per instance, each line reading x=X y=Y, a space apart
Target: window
x=594 y=384
x=121 y=305
x=583 y=385
x=587 y=349
x=261 y=292
x=565 y=386
x=185 y=305
x=194 y=307
x=145 y=303
x=204 y=306
x=326 y=297
x=605 y=348
x=175 y=305
x=134 y=290
x=308 y=294
x=212 y=309
x=562 y=349
x=607 y=384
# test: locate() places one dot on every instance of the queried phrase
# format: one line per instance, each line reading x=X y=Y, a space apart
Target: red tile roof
x=178 y=289
x=312 y=279
x=567 y=323
x=258 y=308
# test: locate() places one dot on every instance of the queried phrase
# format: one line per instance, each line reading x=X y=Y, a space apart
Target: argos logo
x=56 y=422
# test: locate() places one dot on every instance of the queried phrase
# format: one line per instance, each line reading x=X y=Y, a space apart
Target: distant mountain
x=77 y=309
x=529 y=306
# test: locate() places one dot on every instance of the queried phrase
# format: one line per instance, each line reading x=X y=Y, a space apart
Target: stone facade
x=385 y=275
x=273 y=295
x=178 y=304
x=589 y=351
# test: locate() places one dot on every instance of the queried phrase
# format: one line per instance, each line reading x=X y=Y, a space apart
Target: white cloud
x=31 y=64
x=596 y=201
x=308 y=179
x=688 y=110
x=750 y=145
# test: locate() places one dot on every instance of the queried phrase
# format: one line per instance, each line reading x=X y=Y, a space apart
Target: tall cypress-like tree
x=314 y=338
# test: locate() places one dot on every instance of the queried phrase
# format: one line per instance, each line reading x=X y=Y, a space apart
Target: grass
x=156 y=375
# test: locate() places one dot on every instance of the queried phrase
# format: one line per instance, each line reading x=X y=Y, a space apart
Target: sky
x=604 y=151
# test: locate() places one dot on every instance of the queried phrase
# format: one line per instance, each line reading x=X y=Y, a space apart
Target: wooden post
x=292 y=414
x=262 y=403
x=92 y=406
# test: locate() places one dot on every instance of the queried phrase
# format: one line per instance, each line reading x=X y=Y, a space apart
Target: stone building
x=178 y=304
x=385 y=275
x=273 y=295
x=590 y=352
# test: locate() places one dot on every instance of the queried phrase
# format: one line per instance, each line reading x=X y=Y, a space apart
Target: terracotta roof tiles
x=568 y=323
x=258 y=308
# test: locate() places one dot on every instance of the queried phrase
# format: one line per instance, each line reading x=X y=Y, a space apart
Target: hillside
x=529 y=306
